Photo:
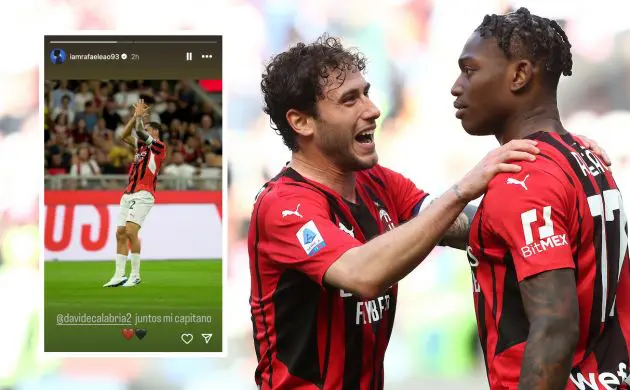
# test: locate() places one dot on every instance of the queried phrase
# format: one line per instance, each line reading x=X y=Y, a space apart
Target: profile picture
x=58 y=56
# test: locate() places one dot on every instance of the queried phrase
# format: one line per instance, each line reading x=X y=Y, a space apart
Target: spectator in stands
x=58 y=93
x=211 y=171
x=209 y=133
x=100 y=94
x=61 y=123
x=84 y=166
x=192 y=150
x=90 y=115
x=105 y=163
x=162 y=98
x=56 y=166
x=169 y=114
x=179 y=168
x=110 y=114
x=65 y=108
x=124 y=98
x=80 y=133
x=82 y=97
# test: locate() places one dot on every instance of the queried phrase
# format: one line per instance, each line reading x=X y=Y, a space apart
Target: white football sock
x=135 y=264
x=121 y=265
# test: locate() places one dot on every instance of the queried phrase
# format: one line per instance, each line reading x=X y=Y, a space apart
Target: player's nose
x=457 y=90
x=371 y=112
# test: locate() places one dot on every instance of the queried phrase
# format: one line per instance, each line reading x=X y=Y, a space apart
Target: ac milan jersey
x=144 y=170
x=563 y=210
x=309 y=335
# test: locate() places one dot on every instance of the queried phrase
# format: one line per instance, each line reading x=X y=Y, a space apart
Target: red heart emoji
x=127 y=333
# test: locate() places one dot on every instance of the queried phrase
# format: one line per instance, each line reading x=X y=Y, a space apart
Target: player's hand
x=595 y=148
x=140 y=109
x=475 y=183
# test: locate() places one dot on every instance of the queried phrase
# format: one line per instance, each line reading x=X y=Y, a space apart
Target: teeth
x=369 y=132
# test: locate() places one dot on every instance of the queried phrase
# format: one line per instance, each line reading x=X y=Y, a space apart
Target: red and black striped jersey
x=563 y=210
x=144 y=170
x=309 y=335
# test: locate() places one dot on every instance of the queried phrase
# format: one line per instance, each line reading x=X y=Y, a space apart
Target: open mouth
x=365 y=137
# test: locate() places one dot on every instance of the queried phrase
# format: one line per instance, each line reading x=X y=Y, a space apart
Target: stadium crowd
x=84 y=120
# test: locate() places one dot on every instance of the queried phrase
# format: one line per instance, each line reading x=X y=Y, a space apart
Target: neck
x=322 y=171
x=532 y=118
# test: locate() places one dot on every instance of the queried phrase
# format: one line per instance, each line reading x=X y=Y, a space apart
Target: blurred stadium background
x=412 y=46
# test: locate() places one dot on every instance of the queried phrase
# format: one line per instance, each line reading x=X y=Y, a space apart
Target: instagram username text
x=94 y=57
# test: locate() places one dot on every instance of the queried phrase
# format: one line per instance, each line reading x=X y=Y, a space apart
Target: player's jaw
x=349 y=148
x=470 y=120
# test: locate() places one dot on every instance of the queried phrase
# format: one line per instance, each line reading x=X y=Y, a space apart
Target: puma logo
x=291 y=212
x=512 y=180
x=346 y=230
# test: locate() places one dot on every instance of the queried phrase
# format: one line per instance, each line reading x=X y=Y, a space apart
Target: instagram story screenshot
x=133 y=232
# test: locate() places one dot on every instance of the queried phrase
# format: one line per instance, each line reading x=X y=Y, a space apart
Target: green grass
x=170 y=289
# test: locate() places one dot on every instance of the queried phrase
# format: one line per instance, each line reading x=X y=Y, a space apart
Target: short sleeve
x=158 y=148
x=298 y=234
x=407 y=197
x=530 y=212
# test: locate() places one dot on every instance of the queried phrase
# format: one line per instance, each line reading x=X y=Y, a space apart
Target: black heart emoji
x=140 y=333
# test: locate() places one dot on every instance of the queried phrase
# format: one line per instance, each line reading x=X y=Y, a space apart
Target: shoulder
x=158 y=147
x=534 y=175
x=539 y=184
x=380 y=175
x=285 y=194
x=159 y=143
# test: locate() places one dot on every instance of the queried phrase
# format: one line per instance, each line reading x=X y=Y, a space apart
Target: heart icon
x=127 y=333
x=187 y=338
x=140 y=333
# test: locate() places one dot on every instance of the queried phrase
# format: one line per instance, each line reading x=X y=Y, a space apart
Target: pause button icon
x=189 y=56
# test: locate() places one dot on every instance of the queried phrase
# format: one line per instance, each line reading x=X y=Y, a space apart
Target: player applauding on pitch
x=138 y=197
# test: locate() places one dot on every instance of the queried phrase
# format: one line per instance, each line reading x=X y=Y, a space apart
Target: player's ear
x=300 y=122
x=522 y=73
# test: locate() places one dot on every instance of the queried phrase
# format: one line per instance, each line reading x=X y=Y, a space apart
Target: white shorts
x=135 y=207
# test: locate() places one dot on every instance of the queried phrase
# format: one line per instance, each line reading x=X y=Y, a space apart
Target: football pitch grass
x=175 y=297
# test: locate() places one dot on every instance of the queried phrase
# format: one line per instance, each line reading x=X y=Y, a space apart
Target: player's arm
x=126 y=136
x=370 y=269
x=551 y=305
x=457 y=234
x=410 y=201
x=137 y=123
x=142 y=134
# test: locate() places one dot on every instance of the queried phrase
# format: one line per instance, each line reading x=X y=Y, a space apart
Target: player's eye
x=468 y=70
x=349 y=101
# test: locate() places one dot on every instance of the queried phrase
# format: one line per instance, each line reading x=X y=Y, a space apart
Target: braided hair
x=523 y=35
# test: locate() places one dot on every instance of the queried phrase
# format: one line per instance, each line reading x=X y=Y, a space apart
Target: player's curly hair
x=296 y=79
x=542 y=41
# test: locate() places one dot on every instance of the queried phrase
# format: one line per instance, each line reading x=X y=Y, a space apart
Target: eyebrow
x=353 y=92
